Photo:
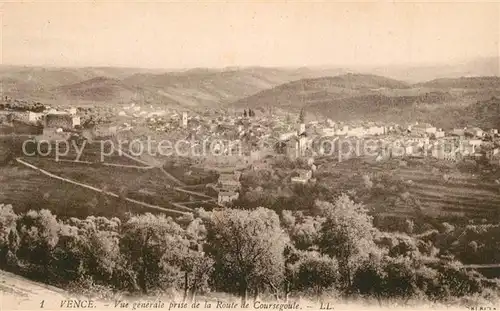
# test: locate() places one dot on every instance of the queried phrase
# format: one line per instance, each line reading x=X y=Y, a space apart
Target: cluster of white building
x=228 y=186
x=416 y=140
x=354 y=131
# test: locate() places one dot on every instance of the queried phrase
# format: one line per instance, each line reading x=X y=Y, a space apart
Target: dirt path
x=18 y=293
x=101 y=190
x=151 y=162
x=104 y=164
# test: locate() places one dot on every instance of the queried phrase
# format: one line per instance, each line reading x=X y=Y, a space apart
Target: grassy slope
x=463 y=83
x=97 y=89
x=302 y=93
x=27 y=189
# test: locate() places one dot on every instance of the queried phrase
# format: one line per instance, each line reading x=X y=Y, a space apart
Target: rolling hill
x=445 y=102
x=484 y=113
x=212 y=87
x=203 y=87
x=54 y=84
x=97 y=89
x=307 y=92
x=491 y=82
x=40 y=79
x=377 y=107
x=319 y=89
x=348 y=96
x=33 y=79
x=186 y=88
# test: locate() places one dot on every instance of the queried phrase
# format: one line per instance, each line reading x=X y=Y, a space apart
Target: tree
x=68 y=254
x=401 y=279
x=304 y=231
x=316 y=272
x=292 y=257
x=245 y=113
x=409 y=226
x=457 y=282
x=88 y=250
x=401 y=245
x=389 y=277
x=247 y=247
x=427 y=280
x=346 y=234
x=11 y=258
x=100 y=245
x=370 y=279
x=38 y=234
x=197 y=269
x=8 y=231
x=195 y=265
x=150 y=245
x=302 y=116
x=367 y=181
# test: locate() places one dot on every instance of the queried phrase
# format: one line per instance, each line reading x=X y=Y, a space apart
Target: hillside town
x=247 y=139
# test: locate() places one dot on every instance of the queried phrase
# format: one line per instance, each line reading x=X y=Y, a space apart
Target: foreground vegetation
x=336 y=253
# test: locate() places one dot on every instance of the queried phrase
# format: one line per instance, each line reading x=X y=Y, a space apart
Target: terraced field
x=469 y=197
x=464 y=195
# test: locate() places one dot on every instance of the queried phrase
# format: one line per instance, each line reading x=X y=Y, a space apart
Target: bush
x=316 y=273
x=458 y=282
x=86 y=287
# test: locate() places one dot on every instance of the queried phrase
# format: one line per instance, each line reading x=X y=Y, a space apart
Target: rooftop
x=227 y=193
x=423 y=125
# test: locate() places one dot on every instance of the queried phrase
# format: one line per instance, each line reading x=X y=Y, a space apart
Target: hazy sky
x=217 y=34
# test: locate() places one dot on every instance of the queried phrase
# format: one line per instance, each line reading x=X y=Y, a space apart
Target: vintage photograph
x=249 y=155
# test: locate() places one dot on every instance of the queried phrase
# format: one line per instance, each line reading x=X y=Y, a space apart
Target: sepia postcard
x=249 y=155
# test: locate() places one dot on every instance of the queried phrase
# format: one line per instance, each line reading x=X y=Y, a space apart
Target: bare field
x=90 y=152
x=138 y=182
x=27 y=189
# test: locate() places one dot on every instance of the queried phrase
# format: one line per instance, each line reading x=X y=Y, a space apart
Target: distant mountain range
x=200 y=86
x=486 y=66
x=392 y=93
x=189 y=88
